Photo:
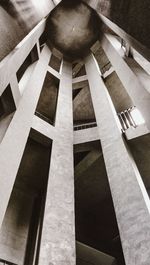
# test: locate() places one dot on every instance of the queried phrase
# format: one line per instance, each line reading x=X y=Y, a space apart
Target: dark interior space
x=133 y=17
x=46 y=107
x=83 y=111
x=140 y=149
x=7 y=104
x=55 y=62
x=24 y=215
x=96 y=224
x=31 y=58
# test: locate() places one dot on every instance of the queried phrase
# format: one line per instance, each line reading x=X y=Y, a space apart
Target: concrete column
x=58 y=235
x=15 y=138
x=131 y=202
x=139 y=95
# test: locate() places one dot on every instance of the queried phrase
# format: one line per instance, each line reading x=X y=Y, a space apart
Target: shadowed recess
x=73 y=27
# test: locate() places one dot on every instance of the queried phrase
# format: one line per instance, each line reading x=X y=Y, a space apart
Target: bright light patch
x=137 y=116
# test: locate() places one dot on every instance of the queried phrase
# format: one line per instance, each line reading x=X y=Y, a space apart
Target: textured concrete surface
x=132 y=206
x=119 y=96
x=137 y=92
x=58 y=235
x=86 y=135
x=132 y=16
x=17 y=18
x=72 y=28
x=19 y=130
x=83 y=107
x=15 y=227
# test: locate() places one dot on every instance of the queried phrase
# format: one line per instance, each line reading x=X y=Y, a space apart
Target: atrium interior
x=74 y=132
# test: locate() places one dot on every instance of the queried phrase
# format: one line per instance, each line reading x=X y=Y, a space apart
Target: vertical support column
x=58 y=235
x=14 y=141
x=131 y=202
x=139 y=95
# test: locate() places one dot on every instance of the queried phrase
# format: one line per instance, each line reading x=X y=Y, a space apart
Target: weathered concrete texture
x=58 y=235
x=130 y=15
x=72 y=28
x=82 y=106
x=119 y=96
x=17 y=133
x=131 y=202
x=14 y=230
x=142 y=75
x=137 y=92
x=48 y=98
x=86 y=135
x=17 y=18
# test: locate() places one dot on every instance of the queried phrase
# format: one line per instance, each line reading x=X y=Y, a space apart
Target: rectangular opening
x=46 y=107
x=30 y=59
x=78 y=69
x=95 y=220
x=7 y=104
x=55 y=62
x=20 y=231
x=83 y=111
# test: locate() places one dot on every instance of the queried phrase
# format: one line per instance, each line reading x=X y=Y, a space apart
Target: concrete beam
x=53 y=72
x=15 y=90
x=43 y=127
x=79 y=82
x=86 y=135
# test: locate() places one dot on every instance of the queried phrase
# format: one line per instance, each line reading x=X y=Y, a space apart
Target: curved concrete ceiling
x=73 y=27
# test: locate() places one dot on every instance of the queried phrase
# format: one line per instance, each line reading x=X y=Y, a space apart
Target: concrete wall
x=17 y=18
x=131 y=15
x=14 y=230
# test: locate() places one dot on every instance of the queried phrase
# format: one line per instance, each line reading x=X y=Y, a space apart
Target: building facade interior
x=74 y=132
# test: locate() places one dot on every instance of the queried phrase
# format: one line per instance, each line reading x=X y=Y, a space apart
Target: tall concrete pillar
x=15 y=138
x=131 y=202
x=135 y=89
x=58 y=235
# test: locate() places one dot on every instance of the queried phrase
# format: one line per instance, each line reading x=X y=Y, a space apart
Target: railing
x=84 y=126
x=6 y=262
x=43 y=117
x=126 y=119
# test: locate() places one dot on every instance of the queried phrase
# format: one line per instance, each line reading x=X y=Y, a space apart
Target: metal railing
x=43 y=117
x=84 y=126
x=126 y=119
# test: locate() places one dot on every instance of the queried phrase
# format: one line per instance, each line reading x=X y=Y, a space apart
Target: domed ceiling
x=72 y=28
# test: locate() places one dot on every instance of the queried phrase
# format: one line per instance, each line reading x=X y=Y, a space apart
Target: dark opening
x=46 y=107
x=31 y=58
x=95 y=219
x=7 y=104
